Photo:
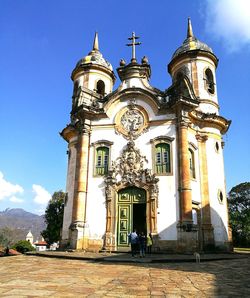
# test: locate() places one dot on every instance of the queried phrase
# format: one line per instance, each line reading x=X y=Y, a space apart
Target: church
x=145 y=159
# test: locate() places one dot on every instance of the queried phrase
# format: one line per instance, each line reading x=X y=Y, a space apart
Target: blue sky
x=41 y=41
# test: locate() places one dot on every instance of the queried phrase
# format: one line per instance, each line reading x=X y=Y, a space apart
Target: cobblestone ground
x=30 y=276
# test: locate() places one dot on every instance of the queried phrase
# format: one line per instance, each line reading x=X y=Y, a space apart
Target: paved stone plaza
x=32 y=276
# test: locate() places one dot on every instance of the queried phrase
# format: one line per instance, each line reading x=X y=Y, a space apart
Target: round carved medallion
x=131 y=121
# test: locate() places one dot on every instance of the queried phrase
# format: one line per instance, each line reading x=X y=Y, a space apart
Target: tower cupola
x=94 y=57
x=191 y=43
x=93 y=74
x=196 y=60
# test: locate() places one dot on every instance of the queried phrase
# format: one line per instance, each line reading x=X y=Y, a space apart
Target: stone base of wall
x=94 y=245
x=224 y=246
x=187 y=242
x=167 y=246
x=187 y=235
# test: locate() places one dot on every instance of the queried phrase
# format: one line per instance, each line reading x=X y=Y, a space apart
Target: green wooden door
x=124 y=224
x=126 y=198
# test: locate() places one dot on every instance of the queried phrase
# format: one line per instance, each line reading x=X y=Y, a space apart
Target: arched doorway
x=132 y=213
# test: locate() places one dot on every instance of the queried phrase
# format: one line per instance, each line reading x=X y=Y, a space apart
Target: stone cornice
x=130 y=93
x=201 y=138
x=210 y=120
x=185 y=102
x=85 y=67
x=192 y=54
x=69 y=132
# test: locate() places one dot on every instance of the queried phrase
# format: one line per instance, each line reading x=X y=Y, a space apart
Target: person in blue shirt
x=133 y=239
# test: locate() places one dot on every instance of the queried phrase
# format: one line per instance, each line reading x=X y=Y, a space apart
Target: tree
x=23 y=246
x=239 y=214
x=54 y=217
x=10 y=236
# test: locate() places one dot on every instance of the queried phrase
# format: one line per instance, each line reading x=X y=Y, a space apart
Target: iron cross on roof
x=133 y=44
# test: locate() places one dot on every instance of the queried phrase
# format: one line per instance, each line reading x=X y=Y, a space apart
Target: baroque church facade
x=146 y=159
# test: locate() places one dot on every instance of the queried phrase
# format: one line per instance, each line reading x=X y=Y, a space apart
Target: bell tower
x=93 y=79
x=199 y=129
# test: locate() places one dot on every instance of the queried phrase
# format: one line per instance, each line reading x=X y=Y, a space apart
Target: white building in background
x=40 y=245
x=146 y=159
x=30 y=237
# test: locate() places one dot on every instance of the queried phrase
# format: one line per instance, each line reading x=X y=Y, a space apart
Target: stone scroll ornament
x=129 y=169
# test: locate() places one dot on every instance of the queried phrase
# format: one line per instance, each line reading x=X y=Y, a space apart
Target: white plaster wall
x=118 y=105
x=216 y=180
x=132 y=82
x=96 y=210
x=168 y=214
x=67 y=217
x=202 y=64
x=178 y=66
x=208 y=108
x=195 y=183
x=94 y=76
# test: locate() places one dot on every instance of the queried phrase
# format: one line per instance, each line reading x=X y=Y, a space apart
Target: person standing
x=142 y=244
x=149 y=243
x=133 y=239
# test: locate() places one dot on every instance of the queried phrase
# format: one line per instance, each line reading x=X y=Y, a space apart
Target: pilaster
x=207 y=228
x=185 y=178
x=195 y=77
x=79 y=235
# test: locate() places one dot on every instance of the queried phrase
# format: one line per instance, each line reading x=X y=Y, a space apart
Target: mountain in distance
x=21 y=222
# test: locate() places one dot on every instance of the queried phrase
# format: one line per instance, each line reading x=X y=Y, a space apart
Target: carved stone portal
x=128 y=170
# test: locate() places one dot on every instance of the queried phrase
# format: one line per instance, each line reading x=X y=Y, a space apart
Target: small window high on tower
x=209 y=81
x=100 y=87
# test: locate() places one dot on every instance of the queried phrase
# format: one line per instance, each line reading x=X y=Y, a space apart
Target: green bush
x=23 y=246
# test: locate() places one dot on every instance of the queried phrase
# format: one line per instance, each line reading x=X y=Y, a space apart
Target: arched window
x=209 y=80
x=162 y=158
x=191 y=163
x=102 y=160
x=100 y=87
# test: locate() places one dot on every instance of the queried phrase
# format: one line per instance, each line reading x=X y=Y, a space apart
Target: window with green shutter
x=162 y=158
x=102 y=160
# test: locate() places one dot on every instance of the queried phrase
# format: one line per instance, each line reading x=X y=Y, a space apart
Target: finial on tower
x=190 y=30
x=96 y=43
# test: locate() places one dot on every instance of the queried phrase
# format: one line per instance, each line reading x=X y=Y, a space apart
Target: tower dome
x=94 y=58
x=191 y=43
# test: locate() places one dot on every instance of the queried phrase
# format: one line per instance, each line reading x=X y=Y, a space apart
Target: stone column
x=185 y=177
x=78 y=226
x=207 y=228
x=109 y=192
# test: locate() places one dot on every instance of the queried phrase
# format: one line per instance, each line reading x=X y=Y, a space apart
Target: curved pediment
x=131 y=94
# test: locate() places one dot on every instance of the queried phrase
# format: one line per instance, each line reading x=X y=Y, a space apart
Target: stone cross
x=133 y=44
